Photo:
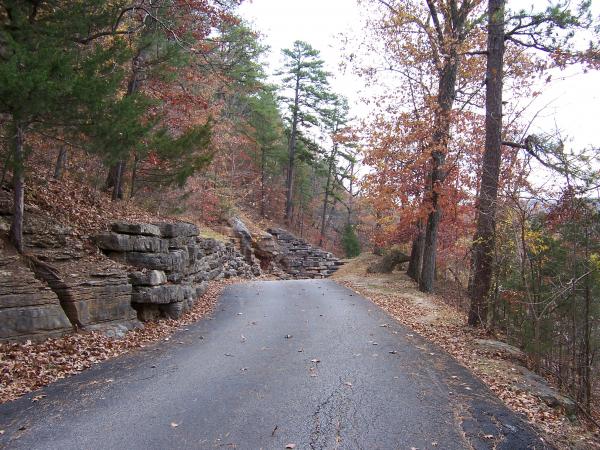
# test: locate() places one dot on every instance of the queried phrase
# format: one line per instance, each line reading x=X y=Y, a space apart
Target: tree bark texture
x=485 y=234
x=326 y=199
x=416 y=253
x=439 y=147
x=61 y=162
x=16 y=228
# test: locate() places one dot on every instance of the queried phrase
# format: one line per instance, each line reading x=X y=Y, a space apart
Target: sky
x=571 y=103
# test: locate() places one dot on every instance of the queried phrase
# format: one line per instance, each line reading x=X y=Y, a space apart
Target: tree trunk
x=292 y=156
x=117 y=192
x=61 y=162
x=136 y=160
x=263 y=199
x=439 y=147
x=16 y=228
x=114 y=180
x=416 y=253
x=326 y=199
x=485 y=235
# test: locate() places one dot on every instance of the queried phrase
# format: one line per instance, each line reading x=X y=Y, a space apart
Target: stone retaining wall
x=171 y=264
x=299 y=259
x=145 y=271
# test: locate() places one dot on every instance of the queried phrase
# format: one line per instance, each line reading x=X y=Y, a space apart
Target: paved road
x=308 y=363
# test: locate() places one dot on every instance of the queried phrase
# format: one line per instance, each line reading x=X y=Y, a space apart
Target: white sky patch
x=572 y=100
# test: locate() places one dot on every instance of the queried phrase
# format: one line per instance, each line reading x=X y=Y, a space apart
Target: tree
x=305 y=83
x=451 y=28
x=336 y=120
x=435 y=36
x=50 y=78
x=267 y=132
x=350 y=242
x=483 y=243
x=548 y=32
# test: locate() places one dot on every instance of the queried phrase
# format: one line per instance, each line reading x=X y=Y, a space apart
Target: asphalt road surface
x=306 y=363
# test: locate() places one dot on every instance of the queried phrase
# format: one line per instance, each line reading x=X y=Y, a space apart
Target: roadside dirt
x=434 y=318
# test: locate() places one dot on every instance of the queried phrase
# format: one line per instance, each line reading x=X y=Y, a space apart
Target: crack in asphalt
x=330 y=417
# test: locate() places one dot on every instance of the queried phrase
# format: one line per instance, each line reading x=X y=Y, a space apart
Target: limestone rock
x=179 y=229
x=131 y=243
x=174 y=261
x=28 y=308
x=148 y=278
x=242 y=232
x=147 y=312
x=300 y=259
x=159 y=294
x=93 y=299
x=181 y=242
x=144 y=229
x=173 y=310
x=201 y=289
x=539 y=387
x=502 y=347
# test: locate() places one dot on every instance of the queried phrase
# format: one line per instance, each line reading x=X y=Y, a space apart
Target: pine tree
x=306 y=94
x=267 y=131
x=51 y=76
x=543 y=31
x=350 y=242
x=336 y=120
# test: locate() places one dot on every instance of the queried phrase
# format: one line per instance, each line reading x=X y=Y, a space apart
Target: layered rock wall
x=171 y=264
x=299 y=259
x=28 y=307
x=58 y=284
x=145 y=271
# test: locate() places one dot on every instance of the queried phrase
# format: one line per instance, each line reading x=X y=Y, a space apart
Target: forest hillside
x=148 y=151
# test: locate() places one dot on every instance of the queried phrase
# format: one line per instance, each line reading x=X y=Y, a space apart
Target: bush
x=350 y=242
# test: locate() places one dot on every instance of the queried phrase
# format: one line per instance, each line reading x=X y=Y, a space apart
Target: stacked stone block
x=171 y=264
x=300 y=259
